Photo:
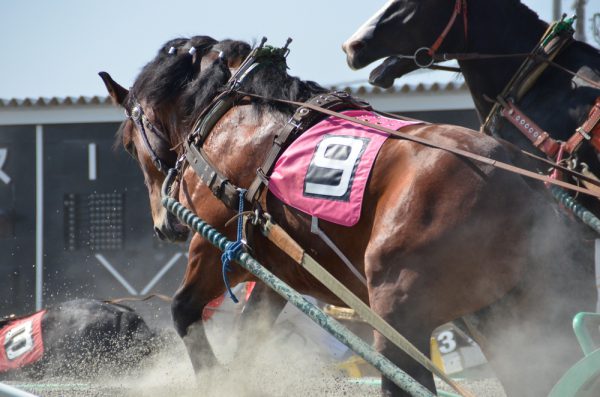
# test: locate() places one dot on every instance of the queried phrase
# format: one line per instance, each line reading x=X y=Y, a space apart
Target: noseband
x=139 y=119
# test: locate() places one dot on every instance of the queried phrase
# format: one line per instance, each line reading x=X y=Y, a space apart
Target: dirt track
x=299 y=360
x=339 y=387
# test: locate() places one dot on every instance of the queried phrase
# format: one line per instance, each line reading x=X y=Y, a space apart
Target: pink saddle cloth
x=324 y=172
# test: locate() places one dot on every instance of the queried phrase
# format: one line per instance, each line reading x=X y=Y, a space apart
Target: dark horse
x=79 y=337
x=558 y=102
x=440 y=236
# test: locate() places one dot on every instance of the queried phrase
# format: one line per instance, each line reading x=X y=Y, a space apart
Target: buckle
x=136 y=113
x=583 y=133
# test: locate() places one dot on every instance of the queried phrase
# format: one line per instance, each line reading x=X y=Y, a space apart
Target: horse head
x=157 y=116
x=408 y=32
x=150 y=133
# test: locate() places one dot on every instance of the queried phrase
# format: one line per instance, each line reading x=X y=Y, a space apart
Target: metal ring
x=136 y=113
x=423 y=65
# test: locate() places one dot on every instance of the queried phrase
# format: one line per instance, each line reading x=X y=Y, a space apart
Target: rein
x=430 y=143
x=557 y=36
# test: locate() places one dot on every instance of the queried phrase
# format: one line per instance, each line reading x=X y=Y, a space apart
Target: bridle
x=432 y=56
x=140 y=120
x=136 y=114
x=460 y=7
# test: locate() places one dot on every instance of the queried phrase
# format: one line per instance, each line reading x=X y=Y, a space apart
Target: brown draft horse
x=440 y=236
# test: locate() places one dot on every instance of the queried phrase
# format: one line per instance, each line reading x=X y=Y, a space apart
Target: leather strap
x=449 y=148
x=302 y=119
x=207 y=120
x=540 y=138
x=553 y=41
x=140 y=120
x=460 y=6
x=218 y=183
x=589 y=131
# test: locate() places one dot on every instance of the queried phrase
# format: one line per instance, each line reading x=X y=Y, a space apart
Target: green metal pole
x=580 y=327
x=337 y=330
x=586 y=216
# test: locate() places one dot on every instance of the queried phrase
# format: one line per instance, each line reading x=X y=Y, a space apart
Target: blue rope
x=233 y=248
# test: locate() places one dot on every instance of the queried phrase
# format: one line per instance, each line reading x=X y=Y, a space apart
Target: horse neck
x=239 y=142
x=497 y=27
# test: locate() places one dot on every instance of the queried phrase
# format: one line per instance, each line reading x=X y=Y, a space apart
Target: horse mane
x=163 y=78
x=269 y=79
x=173 y=76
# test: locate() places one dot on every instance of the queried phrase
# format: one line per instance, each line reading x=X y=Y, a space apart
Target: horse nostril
x=159 y=234
x=356 y=46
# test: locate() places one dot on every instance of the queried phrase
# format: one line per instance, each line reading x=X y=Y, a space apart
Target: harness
x=302 y=119
x=307 y=113
x=557 y=37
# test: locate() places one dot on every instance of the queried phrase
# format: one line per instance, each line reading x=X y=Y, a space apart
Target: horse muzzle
x=356 y=54
x=172 y=230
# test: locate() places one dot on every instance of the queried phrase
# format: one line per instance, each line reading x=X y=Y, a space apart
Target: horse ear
x=117 y=93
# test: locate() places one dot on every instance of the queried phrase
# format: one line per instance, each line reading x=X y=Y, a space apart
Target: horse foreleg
x=186 y=310
x=420 y=338
x=392 y=295
x=202 y=283
x=260 y=313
